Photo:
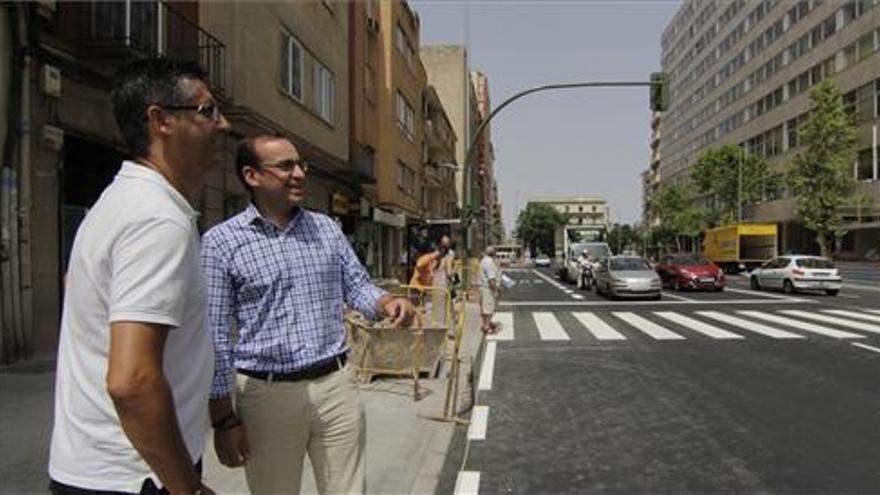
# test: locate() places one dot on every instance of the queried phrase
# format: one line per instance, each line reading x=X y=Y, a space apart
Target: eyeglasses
x=286 y=166
x=210 y=111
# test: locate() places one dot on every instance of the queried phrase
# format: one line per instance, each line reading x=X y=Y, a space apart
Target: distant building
x=740 y=73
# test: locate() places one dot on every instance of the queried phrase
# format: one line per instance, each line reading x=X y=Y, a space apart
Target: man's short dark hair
x=147 y=82
x=245 y=156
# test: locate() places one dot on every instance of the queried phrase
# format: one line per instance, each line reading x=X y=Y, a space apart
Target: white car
x=542 y=260
x=797 y=272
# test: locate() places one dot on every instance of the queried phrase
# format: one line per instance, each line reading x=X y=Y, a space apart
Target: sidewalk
x=405 y=451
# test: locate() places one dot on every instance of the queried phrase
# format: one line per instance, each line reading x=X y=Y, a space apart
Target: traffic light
x=659 y=91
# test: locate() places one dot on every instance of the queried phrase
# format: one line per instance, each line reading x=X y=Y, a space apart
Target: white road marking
x=727 y=302
x=856 y=325
x=549 y=327
x=676 y=296
x=548 y=279
x=597 y=327
x=578 y=297
x=488 y=367
x=537 y=281
x=468 y=483
x=649 y=327
x=863 y=346
x=698 y=326
x=877 y=311
x=759 y=293
x=479 y=422
x=750 y=325
x=505 y=320
x=801 y=325
x=852 y=314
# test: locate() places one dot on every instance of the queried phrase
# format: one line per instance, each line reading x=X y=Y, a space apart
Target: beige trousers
x=286 y=420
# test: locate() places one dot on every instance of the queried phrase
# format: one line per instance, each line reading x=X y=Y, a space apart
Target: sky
x=576 y=142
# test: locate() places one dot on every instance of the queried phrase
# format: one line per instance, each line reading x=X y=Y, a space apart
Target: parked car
x=626 y=276
x=686 y=271
x=797 y=272
x=542 y=260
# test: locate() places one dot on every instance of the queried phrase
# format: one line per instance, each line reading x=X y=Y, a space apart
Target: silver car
x=794 y=273
x=627 y=276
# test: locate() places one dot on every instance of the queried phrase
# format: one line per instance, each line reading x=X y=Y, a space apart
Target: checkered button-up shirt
x=283 y=289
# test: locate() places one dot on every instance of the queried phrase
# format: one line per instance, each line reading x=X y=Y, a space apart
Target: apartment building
x=740 y=73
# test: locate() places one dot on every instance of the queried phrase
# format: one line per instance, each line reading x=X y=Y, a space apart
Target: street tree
x=536 y=227
x=623 y=237
x=679 y=217
x=716 y=177
x=820 y=175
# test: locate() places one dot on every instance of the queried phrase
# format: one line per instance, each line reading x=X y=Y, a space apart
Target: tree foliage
x=675 y=207
x=536 y=227
x=716 y=176
x=625 y=237
x=820 y=176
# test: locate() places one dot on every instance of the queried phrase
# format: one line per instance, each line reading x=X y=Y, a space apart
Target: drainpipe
x=23 y=289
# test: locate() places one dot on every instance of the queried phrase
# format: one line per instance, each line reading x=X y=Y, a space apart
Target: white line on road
x=505 y=321
x=856 y=325
x=549 y=327
x=863 y=346
x=877 y=311
x=488 y=367
x=758 y=293
x=468 y=483
x=676 y=296
x=726 y=302
x=550 y=280
x=750 y=325
x=852 y=314
x=597 y=327
x=649 y=327
x=479 y=421
x=577 y=297
x=802 y=325
x=698 y=326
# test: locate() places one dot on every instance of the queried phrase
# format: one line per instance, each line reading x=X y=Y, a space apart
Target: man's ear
x=157 y=121
x=250 y=176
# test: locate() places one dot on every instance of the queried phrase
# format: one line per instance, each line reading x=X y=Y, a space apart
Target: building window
x=404 y=46
x=291 y=66
x=864 y=167
x=323 y=92
x=406 y=179
x=406 y=116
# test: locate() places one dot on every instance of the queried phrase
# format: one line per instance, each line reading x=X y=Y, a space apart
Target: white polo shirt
x=135 y=258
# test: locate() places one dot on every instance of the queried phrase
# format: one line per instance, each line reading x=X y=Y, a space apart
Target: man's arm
x=143 y=400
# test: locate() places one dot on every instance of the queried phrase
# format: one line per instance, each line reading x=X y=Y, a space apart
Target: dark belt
x=317 y=370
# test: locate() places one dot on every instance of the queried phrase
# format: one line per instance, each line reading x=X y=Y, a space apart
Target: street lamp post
x=467 y=210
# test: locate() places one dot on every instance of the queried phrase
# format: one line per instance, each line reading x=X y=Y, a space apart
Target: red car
x=686 y=271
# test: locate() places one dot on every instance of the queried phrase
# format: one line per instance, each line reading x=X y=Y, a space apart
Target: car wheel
x=753 y=282
x=788 y=287
x=675 y=285
x=832 y=292
x=719 y=289
x=657 y=297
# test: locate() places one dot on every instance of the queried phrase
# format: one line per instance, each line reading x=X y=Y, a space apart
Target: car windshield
x=814 y=263
x=689 y=261
x=629 y=264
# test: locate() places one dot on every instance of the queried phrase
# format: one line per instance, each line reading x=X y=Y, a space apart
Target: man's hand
x=232 y=446
x=399 y=309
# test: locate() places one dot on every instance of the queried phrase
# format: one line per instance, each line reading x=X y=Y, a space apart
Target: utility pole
x=739 y=206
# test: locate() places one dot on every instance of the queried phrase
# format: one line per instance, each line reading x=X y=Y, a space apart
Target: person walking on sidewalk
x=489 y=288
x=281 y=273
x=135 y=356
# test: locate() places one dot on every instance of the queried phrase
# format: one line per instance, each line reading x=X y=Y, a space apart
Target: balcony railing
x=133 y=29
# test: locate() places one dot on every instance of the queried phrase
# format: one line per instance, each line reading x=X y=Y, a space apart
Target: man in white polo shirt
x=135 y=358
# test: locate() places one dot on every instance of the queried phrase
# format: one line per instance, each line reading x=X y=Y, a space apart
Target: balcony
x=362 y=167
x=112 y=33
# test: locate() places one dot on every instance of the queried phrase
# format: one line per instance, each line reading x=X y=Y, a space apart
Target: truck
x=741 y=246
x=576 y=238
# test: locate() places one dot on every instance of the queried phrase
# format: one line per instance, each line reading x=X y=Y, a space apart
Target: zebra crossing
x=736 y=325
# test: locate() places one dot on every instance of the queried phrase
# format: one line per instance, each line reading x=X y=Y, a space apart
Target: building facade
x=740 y=73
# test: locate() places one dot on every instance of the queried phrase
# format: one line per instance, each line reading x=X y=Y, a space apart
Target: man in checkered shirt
x=280 y=274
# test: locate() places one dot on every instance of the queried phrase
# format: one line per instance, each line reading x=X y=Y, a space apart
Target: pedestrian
x=281 y=274
x=134 y=357
x=489 y=289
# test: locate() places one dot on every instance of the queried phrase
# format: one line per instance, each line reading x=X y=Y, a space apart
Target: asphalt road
x=734 y=392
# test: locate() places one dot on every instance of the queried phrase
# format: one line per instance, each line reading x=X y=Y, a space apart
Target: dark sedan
x=686 y=271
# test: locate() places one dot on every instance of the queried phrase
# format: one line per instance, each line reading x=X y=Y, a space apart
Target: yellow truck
x=741 y=246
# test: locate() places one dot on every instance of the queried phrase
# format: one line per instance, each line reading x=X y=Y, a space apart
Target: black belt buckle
x=312 y=372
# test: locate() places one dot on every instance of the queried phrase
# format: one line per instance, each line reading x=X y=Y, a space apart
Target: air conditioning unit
x=373 y=24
